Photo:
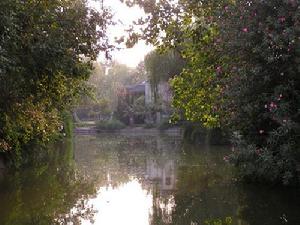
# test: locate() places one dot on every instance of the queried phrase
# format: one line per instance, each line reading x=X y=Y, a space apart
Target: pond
x=140 y=179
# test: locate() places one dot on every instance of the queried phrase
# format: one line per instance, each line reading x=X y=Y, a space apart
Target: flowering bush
x=242 y=73
x=261 y=164
x=263 y=92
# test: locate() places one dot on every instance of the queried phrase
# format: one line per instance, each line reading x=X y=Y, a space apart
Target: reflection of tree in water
x=45 y=194
x=200 y=193
x=187 y=186
x=150 y=159
x=120 y=157
x=206 y=191
x=161 y=178
x=269 y=205
x=98 y=159
x=162 y=207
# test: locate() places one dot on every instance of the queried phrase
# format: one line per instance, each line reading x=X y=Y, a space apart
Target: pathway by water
x=140 y=179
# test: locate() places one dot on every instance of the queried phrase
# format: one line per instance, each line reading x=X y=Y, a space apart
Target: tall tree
x=162 y=66
x=45 y=52
x=243 y=61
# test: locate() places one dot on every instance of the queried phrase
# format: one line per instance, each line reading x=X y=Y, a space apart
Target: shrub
x=110 y=125
x=226 y=221
x=194 y=132
x=42 y=71
x=262 y=164
x=164 y=125
x=149 y=125
x=242 y=73
x=218 y=136
x=263 y=92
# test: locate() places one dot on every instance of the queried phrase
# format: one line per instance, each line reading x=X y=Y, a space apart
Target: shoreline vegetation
x=47 y=50
x=190 y=132
x=228 y=70
x=241 y=75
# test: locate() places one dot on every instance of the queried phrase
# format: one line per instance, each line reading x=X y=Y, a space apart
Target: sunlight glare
x=126 y=204
x=124 y=16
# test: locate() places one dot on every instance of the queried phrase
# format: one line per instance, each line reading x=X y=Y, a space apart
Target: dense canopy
x=242 y=74
x=45 y=52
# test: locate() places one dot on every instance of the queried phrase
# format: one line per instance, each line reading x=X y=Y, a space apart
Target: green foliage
x=68 y=124
x=263 y=92
x=165 y=124
x=226 y=221
x=194 y=133
x=190 y=31
x=162 y=66
x=197 y=89
x=131 y=107
x=262 y=165
x=52 y=187
x=197 y=133
x=46 y=48
x=107 y=87
x=242 y=73
x=110 y=125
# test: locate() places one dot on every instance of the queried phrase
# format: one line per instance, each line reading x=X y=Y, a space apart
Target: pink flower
x=226 y=158
x=261 y=131
x=219 y=69
x=245 y=29
x=273 y=105
x=266 y=106
x=281 y=19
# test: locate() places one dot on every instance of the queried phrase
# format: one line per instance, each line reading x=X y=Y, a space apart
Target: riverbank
x=127 y=130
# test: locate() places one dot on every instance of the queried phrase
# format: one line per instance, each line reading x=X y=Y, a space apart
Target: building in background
x=144 y=104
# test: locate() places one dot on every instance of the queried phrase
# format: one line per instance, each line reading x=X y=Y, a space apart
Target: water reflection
x=181 y=184
x=164 y=174
x=140 y=179
x=45 y=193
x=136 y=176
x=128 y=203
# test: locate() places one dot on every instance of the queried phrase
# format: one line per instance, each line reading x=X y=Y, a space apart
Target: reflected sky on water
x=130 y=177
x=110 y=200
x=140 y=179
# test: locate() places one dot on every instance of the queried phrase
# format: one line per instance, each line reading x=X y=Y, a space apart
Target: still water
x=145 y=179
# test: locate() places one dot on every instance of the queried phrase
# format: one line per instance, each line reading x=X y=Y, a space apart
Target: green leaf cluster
x=45 y=53
x=242 y=74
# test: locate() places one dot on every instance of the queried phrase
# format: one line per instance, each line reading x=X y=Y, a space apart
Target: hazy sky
x=124 y=16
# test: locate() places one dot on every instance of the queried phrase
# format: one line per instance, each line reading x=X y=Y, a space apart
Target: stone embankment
x=128 y=131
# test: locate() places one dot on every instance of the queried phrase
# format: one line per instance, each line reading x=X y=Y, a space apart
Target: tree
x=161 y=66
x=46 y=49
x=242 y=65
x=190 y=28
x=263 y=92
